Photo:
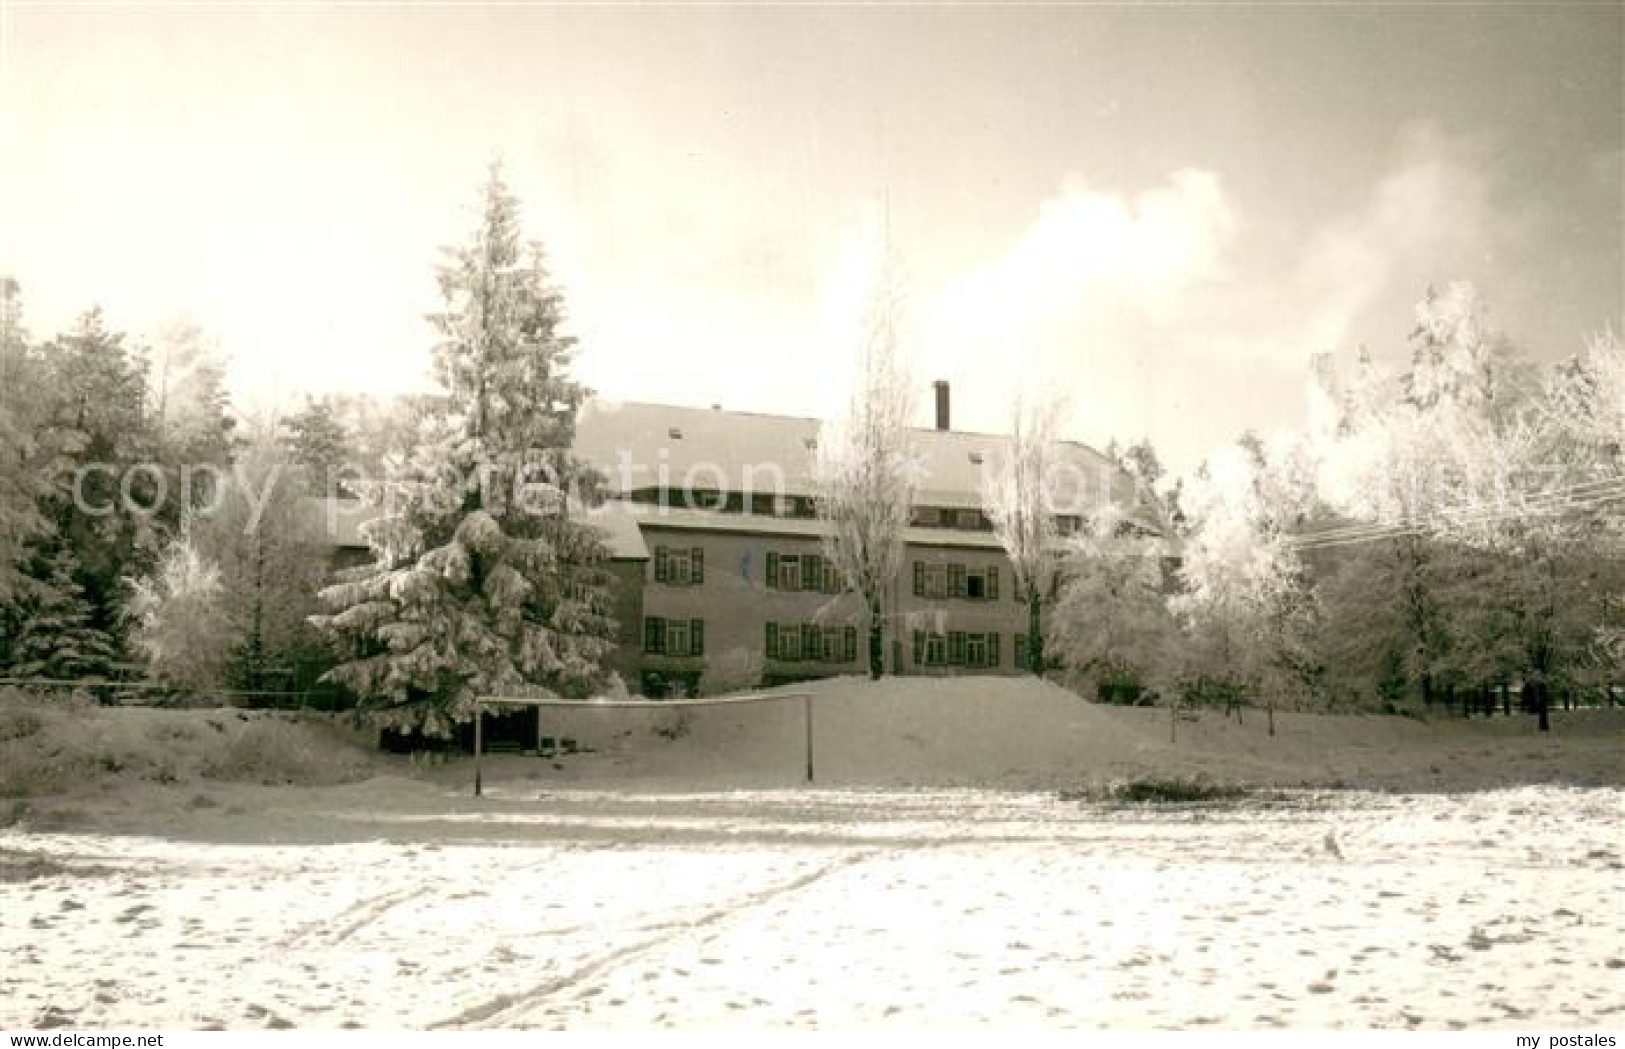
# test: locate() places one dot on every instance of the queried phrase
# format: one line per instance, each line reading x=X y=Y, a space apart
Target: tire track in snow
x=508 y=1009
x=363 y=912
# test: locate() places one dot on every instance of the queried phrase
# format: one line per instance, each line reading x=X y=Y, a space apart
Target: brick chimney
x=941 y=387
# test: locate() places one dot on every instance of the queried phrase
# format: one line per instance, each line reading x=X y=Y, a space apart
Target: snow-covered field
x=589 y=909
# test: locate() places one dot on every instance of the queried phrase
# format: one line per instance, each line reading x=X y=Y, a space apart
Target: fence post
x=806 y=707
x=479 y=721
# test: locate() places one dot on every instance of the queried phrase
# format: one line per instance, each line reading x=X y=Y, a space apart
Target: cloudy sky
x=1162 y=210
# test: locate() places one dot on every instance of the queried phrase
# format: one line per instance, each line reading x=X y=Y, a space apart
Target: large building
x=719 y=555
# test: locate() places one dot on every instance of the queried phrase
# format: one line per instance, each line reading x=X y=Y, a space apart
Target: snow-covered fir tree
x=485 y=578
x=58 y=641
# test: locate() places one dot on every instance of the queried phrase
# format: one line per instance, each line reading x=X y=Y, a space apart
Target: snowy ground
x=588 y=909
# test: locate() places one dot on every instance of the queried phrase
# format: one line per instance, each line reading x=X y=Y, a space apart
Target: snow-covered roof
x=340 y=522
x=641 y=446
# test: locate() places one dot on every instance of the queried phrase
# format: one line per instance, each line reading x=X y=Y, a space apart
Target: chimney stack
x=941 y=386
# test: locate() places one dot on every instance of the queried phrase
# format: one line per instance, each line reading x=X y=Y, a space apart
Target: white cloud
x=1167 y=314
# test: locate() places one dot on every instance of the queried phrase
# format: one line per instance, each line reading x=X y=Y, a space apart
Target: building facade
x=719 y=557
x=736 y=574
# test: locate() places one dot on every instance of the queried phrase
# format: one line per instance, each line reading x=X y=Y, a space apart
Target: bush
x=1156 y=790
x=18 y=724
x=1122 y=686
x=736 y=670
x=275 y=750
x=1204 y=690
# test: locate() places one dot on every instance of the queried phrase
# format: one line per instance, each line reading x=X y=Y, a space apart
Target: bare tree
x=1016 y=498
x=865 y=470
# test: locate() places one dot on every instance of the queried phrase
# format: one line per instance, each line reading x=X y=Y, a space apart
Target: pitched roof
x=340 y=522
x=639 y=445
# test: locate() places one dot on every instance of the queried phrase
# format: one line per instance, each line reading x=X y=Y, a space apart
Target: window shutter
x=919 y=581
x=992 y=582
x=696 y=637
x=660 y=564
x=812 y=573
x=810 y=641
x=654 y=634
x=772 y=641
x=851 y=644
x=993 y=658
x=697 y=566
x=956 y=648
x=919 y=645
x=772 y=571
x=956 y=580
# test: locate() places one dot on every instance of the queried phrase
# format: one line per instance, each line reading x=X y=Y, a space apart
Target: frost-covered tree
x=1244 y=601
x=1111 y=625
x=178 y=620
x=188 y=409
x=267 y=543
x=1016 y=495
x=484 y=582
x=93 y=415
x=1477 y=466
x=26 y=462
x=318 y=443
x=865 y=469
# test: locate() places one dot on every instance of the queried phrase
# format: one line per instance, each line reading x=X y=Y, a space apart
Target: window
x=789 y=641
x=976 y=650
x=788 y=576
x=1068 y=524
x=936 y=650
x=982 y=584
x=930 y=580
x=812 y=642
x=674 y=637
x=812 y=572
x=954 y=580
x=833 y=583
x=968 y=520
x=679 y=566
x=926 y=517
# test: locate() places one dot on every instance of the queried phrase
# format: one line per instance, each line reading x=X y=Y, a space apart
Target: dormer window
x=675 y=433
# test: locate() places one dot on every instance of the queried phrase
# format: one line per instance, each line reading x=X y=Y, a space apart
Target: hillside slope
x=1021 y=733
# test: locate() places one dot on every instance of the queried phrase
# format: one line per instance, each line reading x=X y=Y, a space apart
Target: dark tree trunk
x=1427 y=690
x=1506 y=699
x=1543 y=706
x=877 y=643
x=1035 y=636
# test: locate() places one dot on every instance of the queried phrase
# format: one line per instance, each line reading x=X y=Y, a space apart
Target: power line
x=1581 y=492
x=1482 y=517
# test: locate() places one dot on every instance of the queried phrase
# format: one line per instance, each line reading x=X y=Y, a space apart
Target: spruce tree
x=57 y=639
x=483 y=581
